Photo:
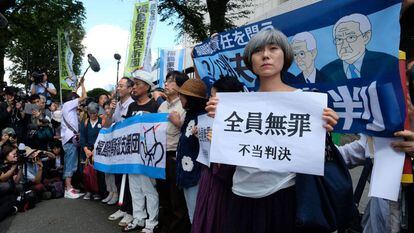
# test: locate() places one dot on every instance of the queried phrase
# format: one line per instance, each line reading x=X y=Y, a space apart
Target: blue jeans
x=71 y=160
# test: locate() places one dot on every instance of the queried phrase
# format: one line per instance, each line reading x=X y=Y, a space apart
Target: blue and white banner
x=348 y=49
x=136 y=145
x=170 y=60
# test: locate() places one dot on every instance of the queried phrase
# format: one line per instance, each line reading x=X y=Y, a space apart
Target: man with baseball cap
x=142 y=187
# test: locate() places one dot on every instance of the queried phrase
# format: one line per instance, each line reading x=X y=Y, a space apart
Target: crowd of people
x=45 y=144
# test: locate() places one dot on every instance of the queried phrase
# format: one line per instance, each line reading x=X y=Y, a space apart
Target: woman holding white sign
x=264 y=201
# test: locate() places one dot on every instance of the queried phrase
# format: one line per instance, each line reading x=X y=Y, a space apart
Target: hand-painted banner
x=136 y=145
x=348 y=49
x=283 y=133
x=142 y=30
x=67 y=77
x=169 y=60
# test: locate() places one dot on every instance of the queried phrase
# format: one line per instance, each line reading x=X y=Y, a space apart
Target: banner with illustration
x=170 y=60
x=67 y=77
x=136 y=145
x=348 y=49
x=143 y=26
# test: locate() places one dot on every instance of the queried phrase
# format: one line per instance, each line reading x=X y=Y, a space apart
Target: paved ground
x=79 y=216
x=63 y=216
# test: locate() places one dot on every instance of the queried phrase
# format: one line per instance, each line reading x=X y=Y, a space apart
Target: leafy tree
x=30 y=41
x=191 y=15
x=96 y=92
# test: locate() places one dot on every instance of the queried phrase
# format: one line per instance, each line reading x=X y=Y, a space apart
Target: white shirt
x=173 y=133
x=71 y=116
x=258 y=183
x=40 y=89
x=356 y=152
x=358 y=66
x=121 y=110
x=311 y=77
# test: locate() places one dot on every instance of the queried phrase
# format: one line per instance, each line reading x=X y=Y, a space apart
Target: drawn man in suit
x=351 y=35
x=305 y=51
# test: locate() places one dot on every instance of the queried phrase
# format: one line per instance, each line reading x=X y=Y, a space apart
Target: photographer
x=42 y=87
x=34 y=176
x=10 y=175
x=7 y=107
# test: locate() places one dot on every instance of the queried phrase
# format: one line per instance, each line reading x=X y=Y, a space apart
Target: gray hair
x=92 y=107
x=362 y=20
x=268 y=37
x=307 y=37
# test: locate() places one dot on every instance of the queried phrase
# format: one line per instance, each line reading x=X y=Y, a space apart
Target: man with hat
x=142 y=187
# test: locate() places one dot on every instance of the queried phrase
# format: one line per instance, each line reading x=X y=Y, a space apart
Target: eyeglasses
x=349 y=39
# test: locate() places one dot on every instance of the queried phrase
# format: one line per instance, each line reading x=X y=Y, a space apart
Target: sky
x=107 y=26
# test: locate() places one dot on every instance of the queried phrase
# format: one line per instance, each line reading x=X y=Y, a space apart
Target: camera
x=38 y=77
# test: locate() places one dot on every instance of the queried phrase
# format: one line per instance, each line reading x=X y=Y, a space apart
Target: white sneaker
x=72 y=194
x=147 y=230
x=107 y=198
x=113 y=200
x=87 y=196
x=117 y=215
x=96 y=197
x=126 y=220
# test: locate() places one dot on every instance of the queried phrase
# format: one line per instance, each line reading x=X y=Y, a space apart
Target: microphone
x=117 y=56
x=3 y=21
x=93 y=63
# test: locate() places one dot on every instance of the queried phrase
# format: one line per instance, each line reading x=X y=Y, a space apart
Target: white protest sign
x=280 y=131
x=205 y=123
x=387 y=170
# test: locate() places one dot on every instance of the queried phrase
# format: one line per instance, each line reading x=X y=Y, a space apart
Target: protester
x=216 y=181
x=173 y=210
x=264 y=201
x=101 y=100
x=70 y=139
x=119 y=109
x=142 y=188
x=193 y=97
x=89 y=131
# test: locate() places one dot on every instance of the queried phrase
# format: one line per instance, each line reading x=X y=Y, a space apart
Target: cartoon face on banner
x=343 y=53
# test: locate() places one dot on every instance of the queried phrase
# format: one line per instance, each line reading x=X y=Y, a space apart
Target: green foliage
x=189 y=16
x=30 y=41
x=96 y=92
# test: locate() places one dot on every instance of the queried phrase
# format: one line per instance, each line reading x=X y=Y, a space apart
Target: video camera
x=38 y=77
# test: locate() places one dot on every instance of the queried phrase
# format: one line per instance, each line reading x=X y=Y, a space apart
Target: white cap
x=144 y=76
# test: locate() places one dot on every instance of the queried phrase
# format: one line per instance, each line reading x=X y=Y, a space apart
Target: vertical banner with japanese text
x=136 y=145
x=169 y=60
x=143 y=25
x=278 y=131
x=67 y=77
x=347 y=49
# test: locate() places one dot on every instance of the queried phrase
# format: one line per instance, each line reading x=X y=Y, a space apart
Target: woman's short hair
x=93 y=107
x=268 y=37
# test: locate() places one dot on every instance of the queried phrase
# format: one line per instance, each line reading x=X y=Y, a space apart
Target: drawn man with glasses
x=305 y=51
x=351 y=35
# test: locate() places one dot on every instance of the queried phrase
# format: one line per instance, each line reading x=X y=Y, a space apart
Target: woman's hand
x=406 y=146
x=331 y=118
x=194 y=131
x=212 y=106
